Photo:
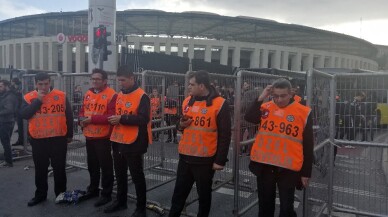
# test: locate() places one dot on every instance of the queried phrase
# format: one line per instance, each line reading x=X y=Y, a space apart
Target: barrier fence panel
x=320 y=99
x=249 y=86
x=360 y=172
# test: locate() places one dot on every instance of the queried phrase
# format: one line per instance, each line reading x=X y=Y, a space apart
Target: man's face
x=43 y=86
x=2 y=88
x=194 y=88
x=281 y=96
x=245 y=86
x=98 y=82
x=155 y=92
x=125 y=83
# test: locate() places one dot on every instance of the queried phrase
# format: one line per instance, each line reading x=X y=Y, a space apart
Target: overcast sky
x=366 y=19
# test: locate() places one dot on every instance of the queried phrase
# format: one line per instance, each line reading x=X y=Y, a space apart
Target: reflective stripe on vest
x=50 y=120
x=200 y=138
x=279 y=140
x=128 y=104
x=97 y=104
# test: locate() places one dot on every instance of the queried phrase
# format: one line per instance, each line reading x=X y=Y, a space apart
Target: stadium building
x=58 y=41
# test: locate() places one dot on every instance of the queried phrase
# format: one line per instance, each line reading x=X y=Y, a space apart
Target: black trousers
x=100 y=158
x=187 y=174
x=266 y=186
x=45 y=151
x=123 y=161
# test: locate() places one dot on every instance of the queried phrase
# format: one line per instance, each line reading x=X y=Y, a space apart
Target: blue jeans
x=5 y=138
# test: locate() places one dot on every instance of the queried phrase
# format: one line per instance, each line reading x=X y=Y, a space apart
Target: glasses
x=279 y=96
x=96 y=79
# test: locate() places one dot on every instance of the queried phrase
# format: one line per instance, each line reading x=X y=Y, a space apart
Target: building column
x=276 y=59
x=308 y=62
x=208 y=53
x=17 y=56
x=190 y=53
x=331 y=62
x=296 y=62
x=53 y=56
x=236 y=57
x=168 y=47
x=1 y=57
x=284 y=64
x=264 y=59
x=180 y=50
x=255 y=58
x=320 y=62
x=224 y=55
x=34 y=56
x=79 y=57
x=43 y=56
x=157 y=47
x=67 y=57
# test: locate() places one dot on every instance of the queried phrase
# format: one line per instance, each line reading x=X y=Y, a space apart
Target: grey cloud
x=304 y=12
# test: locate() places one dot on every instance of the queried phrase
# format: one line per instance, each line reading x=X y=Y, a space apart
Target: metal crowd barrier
x=353 y=181
x=319 y=99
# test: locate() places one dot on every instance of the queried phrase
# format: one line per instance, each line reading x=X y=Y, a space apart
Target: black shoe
x=175 y=141
x=89 y=195
x=169 y=140
x=115 y=206
x=36 y=200
x=102 y=201
x=17 y=144
x=139 y=213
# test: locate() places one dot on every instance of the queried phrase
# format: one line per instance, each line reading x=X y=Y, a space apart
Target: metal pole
x=333 y=89
x=236 y=167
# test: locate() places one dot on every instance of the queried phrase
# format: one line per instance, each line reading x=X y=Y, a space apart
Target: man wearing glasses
x=98 y=104
x=282 y=153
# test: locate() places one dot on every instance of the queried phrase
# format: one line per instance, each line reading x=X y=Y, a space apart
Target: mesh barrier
x=319 y=93
x=360 y=185
x=350 y=115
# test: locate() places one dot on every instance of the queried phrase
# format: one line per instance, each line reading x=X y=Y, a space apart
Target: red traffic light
x=98 y=32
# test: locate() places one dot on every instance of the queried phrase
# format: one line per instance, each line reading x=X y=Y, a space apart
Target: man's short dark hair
x=201 y=77
x=5 y=83
x=125 y=71
x=41 y=76
x=102 y=72
x=16 y=80
x=281 y=83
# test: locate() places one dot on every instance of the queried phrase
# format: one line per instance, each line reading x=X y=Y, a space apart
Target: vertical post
x=236 y=150
x=333 y=90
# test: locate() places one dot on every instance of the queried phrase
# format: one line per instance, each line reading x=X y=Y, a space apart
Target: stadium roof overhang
x=210 y=26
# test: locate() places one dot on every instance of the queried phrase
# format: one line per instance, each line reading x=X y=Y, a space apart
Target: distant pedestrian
x=8 y=104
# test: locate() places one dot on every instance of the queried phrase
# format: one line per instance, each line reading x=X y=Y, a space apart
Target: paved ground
x=355 y=169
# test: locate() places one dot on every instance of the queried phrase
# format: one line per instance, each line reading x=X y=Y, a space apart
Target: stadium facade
x=59 y=41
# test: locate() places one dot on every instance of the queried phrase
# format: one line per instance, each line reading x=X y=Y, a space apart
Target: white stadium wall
x=45 y=53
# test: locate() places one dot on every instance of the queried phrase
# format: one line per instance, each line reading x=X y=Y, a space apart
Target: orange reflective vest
x=97 y=104
x=168 y=108
x=155 y=106
x=200 y=138
x=297 y=98
x=50 y=120
x=128 y=104
x=279 y=140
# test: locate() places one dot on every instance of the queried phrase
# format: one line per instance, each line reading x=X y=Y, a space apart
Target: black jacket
x=253 y=115
x=29 y=110
x=223 y=130
x=141 y=119
x=8 y=106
